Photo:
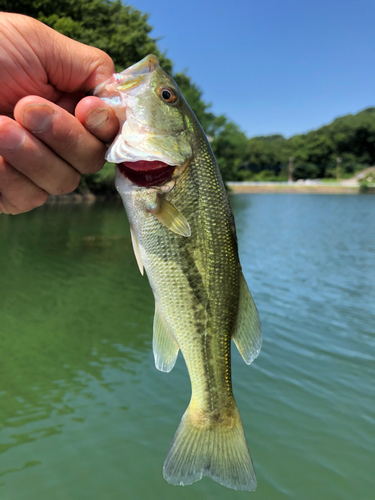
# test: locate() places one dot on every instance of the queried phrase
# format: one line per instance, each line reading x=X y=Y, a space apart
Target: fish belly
x=195 y=282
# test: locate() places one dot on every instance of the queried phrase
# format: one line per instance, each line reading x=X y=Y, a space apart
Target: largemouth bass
x=184 y=236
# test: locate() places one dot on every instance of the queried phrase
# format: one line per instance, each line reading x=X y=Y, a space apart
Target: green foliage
x=265 y=159
x=271 y=176
x=101 y=183
x=267 y=153
x=193 y=96
x=118 y=29
x=367 y=181
x=351 y=138
x=305 y=170
x=124 y=33
x=229 y=146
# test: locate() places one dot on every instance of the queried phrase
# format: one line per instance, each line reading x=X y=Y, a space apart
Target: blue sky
x=272 y=66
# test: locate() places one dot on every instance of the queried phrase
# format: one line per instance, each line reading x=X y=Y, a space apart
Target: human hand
x=45 y=148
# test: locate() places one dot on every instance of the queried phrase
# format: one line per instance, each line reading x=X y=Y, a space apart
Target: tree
x=350 y=137
x=124 y=33
x=120 y=30
x=229 y=147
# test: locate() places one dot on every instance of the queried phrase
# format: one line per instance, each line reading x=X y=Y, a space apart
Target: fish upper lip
x=147 y=65
x=146 y=165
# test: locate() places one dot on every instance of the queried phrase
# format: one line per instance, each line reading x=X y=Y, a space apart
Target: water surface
x=84 y=414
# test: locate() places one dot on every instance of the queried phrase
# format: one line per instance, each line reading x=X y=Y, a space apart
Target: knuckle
x=23 y=205
x=94 y=161
x=103 y=57
x=68 y=185
x=39 y=199
x=18 y=194
x=6 y=207
x=70 y=138
x=94 y=166
x=35 y=199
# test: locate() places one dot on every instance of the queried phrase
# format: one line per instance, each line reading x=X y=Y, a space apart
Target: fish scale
x=183 y=234
x=204 y=280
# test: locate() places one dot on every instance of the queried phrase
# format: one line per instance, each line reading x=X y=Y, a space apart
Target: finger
x=62 y=133
x=18 y=194
x=70 y=66
x=98 y=117
x=35 y=160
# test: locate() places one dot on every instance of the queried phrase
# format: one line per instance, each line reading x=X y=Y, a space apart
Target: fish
x=183 y=234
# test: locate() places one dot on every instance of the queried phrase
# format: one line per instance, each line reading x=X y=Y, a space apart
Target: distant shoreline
x=310 y=187
x=293 y=187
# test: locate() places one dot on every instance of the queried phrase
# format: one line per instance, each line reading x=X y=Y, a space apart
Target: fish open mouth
x=146 y=173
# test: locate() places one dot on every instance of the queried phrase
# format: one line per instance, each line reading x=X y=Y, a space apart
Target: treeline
x=124 y=33
x=350 y=138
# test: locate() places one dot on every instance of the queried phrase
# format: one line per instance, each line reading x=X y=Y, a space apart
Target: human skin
x=50 y=133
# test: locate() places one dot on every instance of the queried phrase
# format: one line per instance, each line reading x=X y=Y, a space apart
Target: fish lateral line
x=201 y=297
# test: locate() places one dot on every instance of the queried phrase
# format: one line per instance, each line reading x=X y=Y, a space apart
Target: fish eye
x=168 y=95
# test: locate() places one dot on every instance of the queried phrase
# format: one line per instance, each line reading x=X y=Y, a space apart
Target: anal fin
x=248 y=334
x=163 y=343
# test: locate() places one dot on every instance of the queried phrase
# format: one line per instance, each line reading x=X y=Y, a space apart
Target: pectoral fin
x=168 y=215
x=164 y=345
x=137 y=253
x=247 y=335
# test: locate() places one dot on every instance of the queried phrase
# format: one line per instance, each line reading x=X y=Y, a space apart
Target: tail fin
x=214 y=449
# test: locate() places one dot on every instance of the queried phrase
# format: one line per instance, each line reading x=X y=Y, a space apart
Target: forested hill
x=350 y=138
x=124 y=33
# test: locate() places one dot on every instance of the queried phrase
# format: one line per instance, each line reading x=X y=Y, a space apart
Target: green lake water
x=84 y=414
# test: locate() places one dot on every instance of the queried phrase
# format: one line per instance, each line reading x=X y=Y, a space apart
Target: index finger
x=91 y=112
x=64 y=134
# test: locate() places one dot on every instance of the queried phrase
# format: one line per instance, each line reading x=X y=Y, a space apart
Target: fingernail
x=97 y=117
x=37 y=118
x=11 y=137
